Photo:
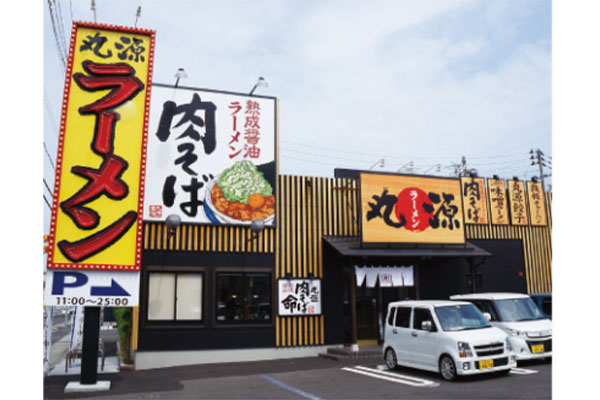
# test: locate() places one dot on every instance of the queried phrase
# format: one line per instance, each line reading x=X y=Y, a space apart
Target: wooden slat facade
x=309 y=208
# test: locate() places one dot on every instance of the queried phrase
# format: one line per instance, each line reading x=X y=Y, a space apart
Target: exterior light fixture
x=515 y=178
x=261 y=82
x=409 y=164
x=93 y=8
x=137 y=15
x=496 y=177
x=380 y=162
x=256 y=227
x=180 y=74
x=436 y=166
x=173 y=221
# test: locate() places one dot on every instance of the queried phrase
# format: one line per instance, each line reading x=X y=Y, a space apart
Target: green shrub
x=124 y=319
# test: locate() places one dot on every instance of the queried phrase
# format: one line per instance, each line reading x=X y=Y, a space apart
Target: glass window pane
x=391 y=316
x=258 y=297
x=189 y=296
x=403 y=317
x=229 y=297
x=161 y=296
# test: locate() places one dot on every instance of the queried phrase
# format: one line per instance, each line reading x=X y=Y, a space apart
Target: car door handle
x=394 y=331
x=414 y=334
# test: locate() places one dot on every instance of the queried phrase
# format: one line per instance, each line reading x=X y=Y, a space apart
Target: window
x=519 y=309
x=461 y=317
x=174 y=296
x=547 y=306
x=243 y=297
x=485 y=306
x=421 y=315
x=391 y=316
x=402 y=317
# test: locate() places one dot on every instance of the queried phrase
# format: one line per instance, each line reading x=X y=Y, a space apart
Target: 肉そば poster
x=211 y=157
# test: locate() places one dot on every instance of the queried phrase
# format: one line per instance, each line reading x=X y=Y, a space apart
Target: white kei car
x=449 y=337
x=516 y=314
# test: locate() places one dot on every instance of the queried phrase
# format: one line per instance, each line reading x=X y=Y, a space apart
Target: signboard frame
x=483 y=201
x=513 y=218
x=530 y=185
x=364 y=243
x=213 y=219
x=135 y=222
x=92 y=288
x=506 y=209
x=313 y=282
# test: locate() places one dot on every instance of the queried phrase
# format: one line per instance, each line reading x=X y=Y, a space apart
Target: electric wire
x=47 y=187
x=62 y=54
x=61 y=30
x=47 y=203
x=49 y=157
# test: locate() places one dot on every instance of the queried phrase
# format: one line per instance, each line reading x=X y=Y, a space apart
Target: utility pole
x=460 y=169
x=537 y=157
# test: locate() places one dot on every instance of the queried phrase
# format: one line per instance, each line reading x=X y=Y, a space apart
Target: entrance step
x=346 y=353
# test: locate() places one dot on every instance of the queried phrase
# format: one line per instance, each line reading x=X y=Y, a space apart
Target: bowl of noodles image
x=240 y=195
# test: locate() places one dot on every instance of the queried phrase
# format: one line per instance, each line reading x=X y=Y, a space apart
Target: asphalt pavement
x=312 y=378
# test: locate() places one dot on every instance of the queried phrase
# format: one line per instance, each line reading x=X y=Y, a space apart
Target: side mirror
x=488 y=316
x=426 y=326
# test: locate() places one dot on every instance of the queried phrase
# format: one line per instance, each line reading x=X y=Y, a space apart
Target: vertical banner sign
x=212 y=157
x=518 y=209
x=299 y=297
x=99 y=184
x=537 y=204
x=411 y=209
x=474 y=200
x=498 y=201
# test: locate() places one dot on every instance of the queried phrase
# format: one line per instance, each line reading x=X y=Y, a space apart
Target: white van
x=449 y=337
x=516 y=314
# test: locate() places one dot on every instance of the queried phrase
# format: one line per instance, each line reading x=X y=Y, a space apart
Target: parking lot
x=314 y=378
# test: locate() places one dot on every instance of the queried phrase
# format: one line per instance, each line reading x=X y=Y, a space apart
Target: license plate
x=484 y=364
x=538 y=348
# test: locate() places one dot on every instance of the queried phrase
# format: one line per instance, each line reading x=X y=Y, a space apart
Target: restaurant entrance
x=371 y=310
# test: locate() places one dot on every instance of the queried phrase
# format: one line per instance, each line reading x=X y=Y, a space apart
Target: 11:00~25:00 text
x=100 y=301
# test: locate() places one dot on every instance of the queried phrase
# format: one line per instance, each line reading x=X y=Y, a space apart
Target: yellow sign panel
x=498 y=201
x=537 y=204
x=474 y=200
x=411 y=209
x=97 y=205
x=518 y=209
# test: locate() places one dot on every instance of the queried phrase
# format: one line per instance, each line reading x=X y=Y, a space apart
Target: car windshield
x=461 y=317
x=522 y=309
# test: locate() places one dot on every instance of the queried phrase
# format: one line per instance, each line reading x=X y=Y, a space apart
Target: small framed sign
x=299 y=297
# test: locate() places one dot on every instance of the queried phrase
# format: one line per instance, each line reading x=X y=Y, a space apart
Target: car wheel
x=447 y=368
x=390 y=359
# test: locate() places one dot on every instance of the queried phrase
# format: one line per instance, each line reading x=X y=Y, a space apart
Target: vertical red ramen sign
x=99 y=184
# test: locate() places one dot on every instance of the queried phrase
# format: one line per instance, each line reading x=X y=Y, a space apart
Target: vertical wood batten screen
x=308 y=209
x=200 y=238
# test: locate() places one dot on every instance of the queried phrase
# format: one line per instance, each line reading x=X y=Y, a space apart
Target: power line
x=498 y=158
x=61 y=29
x=60 y=47
x=47 y=187
x=49 y=157
x=47 y=203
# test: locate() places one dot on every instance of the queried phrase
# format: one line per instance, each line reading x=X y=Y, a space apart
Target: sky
x=385 y=85
x=415 y=84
